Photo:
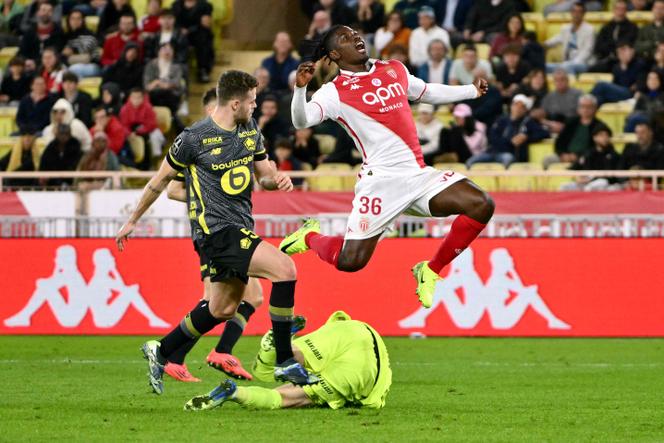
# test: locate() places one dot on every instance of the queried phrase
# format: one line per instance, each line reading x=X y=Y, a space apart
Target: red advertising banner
x=513 y=287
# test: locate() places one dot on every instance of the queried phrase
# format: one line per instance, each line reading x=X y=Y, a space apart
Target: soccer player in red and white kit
x=369 y=99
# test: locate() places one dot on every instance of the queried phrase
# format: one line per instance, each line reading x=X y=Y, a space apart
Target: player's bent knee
x=351 y=265
x=286 y=270
x=482 y=207
x=223 y=313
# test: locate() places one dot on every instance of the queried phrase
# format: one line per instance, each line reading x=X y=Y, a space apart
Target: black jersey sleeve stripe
x=174 y=163
x=179 y=177
x=261 y=156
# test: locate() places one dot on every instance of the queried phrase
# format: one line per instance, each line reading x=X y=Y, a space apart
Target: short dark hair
x=234 y=84
x=314 y=50
x=580 y=5
x=166 y=11
x=136 y=89
x=128 y=14
x=100 y=108
x=647 y=124
x=17 y=60
x=602 y=128
x=209 y=96
x=283 y=142
x=470 y=47
x=270 y=98
x=512 y=48
x=69 y=77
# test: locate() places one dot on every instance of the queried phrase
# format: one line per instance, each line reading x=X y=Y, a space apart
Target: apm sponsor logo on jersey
x=383 y=94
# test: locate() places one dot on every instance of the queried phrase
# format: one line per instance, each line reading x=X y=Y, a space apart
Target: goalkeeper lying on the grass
x=348 y=356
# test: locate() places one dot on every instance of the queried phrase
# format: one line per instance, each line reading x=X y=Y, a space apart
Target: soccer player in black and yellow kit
x=221 y=153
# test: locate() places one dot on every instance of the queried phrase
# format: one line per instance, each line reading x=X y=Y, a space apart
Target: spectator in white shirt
x=438 y=66
x=462 y=68
x=577 y=40
x=428 y=131
x=422 y=36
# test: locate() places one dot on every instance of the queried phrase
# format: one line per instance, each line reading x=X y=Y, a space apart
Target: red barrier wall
x=513 y=287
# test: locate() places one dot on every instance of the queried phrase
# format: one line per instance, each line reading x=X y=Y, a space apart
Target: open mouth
x=360 y=47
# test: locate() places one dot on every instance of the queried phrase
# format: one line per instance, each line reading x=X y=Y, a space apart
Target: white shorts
x=379 y=200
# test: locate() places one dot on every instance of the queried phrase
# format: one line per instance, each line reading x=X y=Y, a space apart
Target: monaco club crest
x=364 y=224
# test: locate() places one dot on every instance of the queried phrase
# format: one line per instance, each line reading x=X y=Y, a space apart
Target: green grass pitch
x=95 y=389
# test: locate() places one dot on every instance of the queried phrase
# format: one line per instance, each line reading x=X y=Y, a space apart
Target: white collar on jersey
x=372 y=61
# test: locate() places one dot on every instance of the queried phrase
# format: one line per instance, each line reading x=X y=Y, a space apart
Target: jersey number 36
x=236 y=180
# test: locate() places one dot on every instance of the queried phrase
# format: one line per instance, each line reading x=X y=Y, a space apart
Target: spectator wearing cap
x=577 y=40
x=652 y=34
x=269 y=123
x=61 y=154
x=138 y=117
x=35 y=108
x=575 y=139
x=127 y=72
x=438 y=66
x=423 y=35
x=619 y=29
x=511 y=134
x=168 y=33
x=81 y=51
x=62 y=113
x=286 y=161
x=646 y=153
x=428 y=131
x=511 y=71
x=409 y=10
x=15 y=83
x=100 y=158
x=601 y=157
x=626 y=73
x=281 y=63
x=80 y=101
x=194 y=18
x=163 y=79
x=392 y=33
x=115 y=43
x=111 y=14
x=561 y=103
x=462 y=68
x=466 y=137
x=370 y=15
x=486 y=19
x=46 y=32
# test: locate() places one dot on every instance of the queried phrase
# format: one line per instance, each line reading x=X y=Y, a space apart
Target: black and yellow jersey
x=219 y=167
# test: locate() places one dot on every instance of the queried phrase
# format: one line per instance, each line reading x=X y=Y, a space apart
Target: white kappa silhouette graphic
x=479 y=298
x=95 y=296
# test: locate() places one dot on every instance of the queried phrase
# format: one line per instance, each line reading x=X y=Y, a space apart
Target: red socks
x=328 y=248
x=464 y=231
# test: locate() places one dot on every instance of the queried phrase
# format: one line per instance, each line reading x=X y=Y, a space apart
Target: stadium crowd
x=543 y=86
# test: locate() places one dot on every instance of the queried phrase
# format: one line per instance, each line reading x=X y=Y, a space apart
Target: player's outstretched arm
x=176 y=191
x=151 y=192
x=304 y=114
x=270 y=178
x=438 y=94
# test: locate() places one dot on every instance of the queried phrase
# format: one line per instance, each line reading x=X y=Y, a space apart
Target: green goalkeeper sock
x=255 y=397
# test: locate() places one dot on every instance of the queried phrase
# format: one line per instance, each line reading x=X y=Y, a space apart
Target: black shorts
x=228 y=253
x=203 y=261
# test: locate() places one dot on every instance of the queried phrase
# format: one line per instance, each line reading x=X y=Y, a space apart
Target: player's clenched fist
x=283 y=182
x=305 y=73
x=482 y=86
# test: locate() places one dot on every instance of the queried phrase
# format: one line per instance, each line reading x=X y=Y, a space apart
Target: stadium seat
x=164 y=118
x=554 y=183
x=587 y=80
x=40 y=144
x=137 y=145
x=486 y=183
x=537 y=152
x=90 y=85
x=349 y=182
x=534 y=21
x=640 y=17
x=483 y=50
x=457 y=167
x=523 y=183
x=444 y=115
x=619 y=141
x=7 y=121
x=326 y=143
x=6 y=145
x=598 y=17
x=329 y=182
x=614 y=114
x=6 y=54
x=92 y=22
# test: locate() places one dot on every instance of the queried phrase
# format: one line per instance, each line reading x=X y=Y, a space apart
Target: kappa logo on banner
x=105 y=295
x=504 y=297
